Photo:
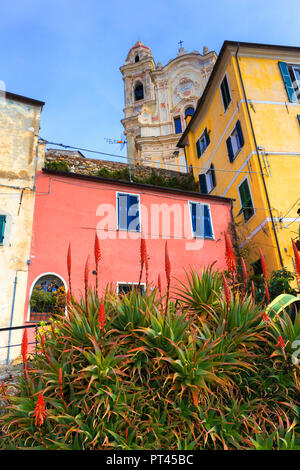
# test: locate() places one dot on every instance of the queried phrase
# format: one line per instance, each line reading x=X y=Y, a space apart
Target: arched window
x=189 y=111
x=48 y=297
x=138 y=91
x=137 y=58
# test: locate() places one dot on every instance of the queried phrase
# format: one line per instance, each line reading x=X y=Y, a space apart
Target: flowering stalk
x=97 y=254
x=69 y=268
x=159 y=284
x=86 y=281
x=24 y=353
x=230 y=258
x=168 y=276
x=143 y=257
x=253 y=290
x=60 y=382
x=245 y=277
x=101 y=322
x=40 y=414
x=45 y=352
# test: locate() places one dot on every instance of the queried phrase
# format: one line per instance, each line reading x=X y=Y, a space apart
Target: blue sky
x=68 y=53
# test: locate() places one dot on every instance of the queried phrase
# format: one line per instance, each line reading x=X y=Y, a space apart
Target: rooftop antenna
x=122 y=142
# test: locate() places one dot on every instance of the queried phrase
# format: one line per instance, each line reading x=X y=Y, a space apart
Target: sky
x=68 y=52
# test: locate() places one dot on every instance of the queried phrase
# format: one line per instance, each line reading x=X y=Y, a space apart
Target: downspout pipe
x=258 y=157
x=11 y=318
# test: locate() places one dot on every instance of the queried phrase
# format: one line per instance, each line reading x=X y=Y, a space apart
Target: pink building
x=71 y=207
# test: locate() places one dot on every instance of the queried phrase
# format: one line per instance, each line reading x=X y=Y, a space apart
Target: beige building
x=157 y=100
x=19 y=129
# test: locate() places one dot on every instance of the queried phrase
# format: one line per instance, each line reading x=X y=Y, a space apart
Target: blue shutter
x=298 y=116
x=133 y=216
x=198 y=148
x=177 y=123
x=229 y=148
x=122 y=211
x=287 y=81
x=197 y=219
x=239 y=133
x=207 y=139
x=203 y=185
x=2 y=227
x=207 y=222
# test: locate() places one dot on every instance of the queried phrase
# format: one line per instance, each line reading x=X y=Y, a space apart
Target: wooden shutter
x=229 y=149
x=203 y=185
x=197 y=219
x=207 y=222
x=133 y=216
x=239 y=133
x=2 y=227
x=198 y=148
x=247 y=205
x=207 y=139
x=122 y=211
x=287 y=81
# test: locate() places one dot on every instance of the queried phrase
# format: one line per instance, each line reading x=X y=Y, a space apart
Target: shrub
x=57 y=165
x=207 y=369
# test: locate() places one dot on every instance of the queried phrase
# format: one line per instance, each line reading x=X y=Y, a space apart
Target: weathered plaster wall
x=19 y=126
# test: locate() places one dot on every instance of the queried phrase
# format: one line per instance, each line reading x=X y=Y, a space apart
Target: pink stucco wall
x=65 y=211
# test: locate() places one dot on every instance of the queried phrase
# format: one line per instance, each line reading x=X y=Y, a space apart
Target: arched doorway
x=47 y=297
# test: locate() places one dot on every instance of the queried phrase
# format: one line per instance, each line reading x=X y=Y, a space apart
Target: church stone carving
x=164 y=94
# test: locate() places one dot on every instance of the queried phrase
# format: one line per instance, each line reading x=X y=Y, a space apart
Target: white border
x=238 y=190
x=117 y=213
x=33 y=284
x=212 y=227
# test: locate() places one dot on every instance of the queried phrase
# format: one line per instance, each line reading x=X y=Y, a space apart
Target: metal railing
x=22 y=327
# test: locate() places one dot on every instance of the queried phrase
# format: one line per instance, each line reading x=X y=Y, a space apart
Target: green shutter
x=207 y=139
x=2 y=227
x=247 y=205
x=198 y=148
x=298 y=117
x=287 y=81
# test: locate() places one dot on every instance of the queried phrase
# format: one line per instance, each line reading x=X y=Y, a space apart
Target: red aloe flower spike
x=40 y=411
x=45 y=352
x=97 y=254
x=159 y=284
x=167 y=264
x=86 y=280
x=230 y=256
x=297 y=259
x=263 y=264
x=147 y=269
x=101 y=317
x=281 y=343
x=245 y=277
x=143 y=257
x=24 y=347
x=267 y=294
x=69 y=266
x=253 y=290
x=168 y=276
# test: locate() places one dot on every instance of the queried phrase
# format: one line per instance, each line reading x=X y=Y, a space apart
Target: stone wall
x=90 y=166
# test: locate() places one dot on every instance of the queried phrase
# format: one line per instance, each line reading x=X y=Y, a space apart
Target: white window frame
x=142 y=284
x=117 y=213
x=225 y=75
x=191 y=221
x=238 y=190
x=32 y=286
x=237 y=140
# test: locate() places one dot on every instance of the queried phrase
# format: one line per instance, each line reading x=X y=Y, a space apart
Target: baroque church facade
x=157 y=100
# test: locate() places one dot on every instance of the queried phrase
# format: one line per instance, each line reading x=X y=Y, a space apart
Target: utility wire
x=122 y=156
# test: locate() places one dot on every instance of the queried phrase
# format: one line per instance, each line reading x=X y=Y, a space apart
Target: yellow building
x=19 y=129
x=243 y=142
